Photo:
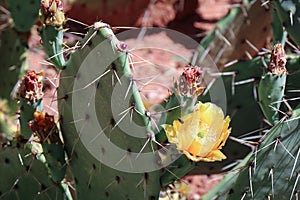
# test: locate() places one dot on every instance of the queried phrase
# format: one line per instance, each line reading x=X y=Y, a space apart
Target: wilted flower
x=44 y=127
x=278 y=60
x=190 y=81
x=31 y=88
x=201 y=134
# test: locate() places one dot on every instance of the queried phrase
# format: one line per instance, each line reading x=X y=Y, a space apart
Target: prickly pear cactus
x=12 y=59
x=24 y=13
x=272 y=85
x=30 y=95
x=12 y=63
x=52 y=16
x=93 y=178
x=25 y=177
x=288 y=12
x=47 y=145
x=274 y=168
x=224 y=186
x=270 y=171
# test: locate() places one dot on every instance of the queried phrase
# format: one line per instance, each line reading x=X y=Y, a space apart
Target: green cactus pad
x=178 y=106
x=178 y=169
x=52 y=38
x=274 y=167
x=24 y=13
x=221 y=189
x=25 y=177
x=93 y=178
x=292 y=81
x=26 y=115
x=55 y=160
x=288 y=12
x=12 y=57
x=272 y=85
x=270 y=91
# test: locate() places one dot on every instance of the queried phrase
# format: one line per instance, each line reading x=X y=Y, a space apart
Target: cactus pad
x=93 y=178
x=25 y=177
x=24 y=13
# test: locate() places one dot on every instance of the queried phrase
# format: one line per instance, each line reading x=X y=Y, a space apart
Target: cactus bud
x=52 y=12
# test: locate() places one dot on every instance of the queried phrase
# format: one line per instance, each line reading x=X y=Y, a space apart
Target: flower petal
x=201 y=134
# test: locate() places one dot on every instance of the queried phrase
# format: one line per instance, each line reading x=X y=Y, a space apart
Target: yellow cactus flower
x=201 y=134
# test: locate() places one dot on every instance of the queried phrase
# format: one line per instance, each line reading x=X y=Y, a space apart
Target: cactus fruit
x=19 y=9
x=52 y=16
x=272 y=85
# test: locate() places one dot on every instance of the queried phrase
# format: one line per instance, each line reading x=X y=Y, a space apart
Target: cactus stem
x=139 y=105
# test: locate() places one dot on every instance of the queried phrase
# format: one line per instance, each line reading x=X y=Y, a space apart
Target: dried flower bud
x=278 y=60
x=44 y=127
x=190 y=82
x=31 y=88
